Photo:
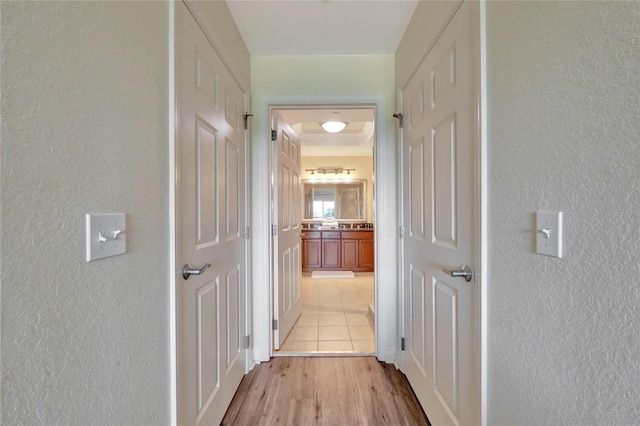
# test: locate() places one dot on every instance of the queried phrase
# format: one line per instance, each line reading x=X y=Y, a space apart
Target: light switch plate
x=549 y=233
x=103 y=238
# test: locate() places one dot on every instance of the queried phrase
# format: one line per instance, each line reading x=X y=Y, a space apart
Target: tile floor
x=334 y=316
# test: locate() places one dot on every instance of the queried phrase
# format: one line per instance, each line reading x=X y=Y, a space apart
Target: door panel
x=206 y=141
x=441 y=356
x=207 y=343
x=287 y=242
x=443 y=163
x=232 y=171
x=416 y=191
x=211 y=188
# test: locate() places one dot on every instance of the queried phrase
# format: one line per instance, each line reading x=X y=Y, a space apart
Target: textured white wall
x=84 y=129
x=564 y=134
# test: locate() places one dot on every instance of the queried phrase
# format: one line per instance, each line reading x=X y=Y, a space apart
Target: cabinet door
x=331 y=253
x=311 y=254
x=349 y=253
x=365 y=254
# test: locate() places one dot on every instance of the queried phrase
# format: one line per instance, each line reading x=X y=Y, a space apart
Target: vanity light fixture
x=335 y=171
x=333 y=126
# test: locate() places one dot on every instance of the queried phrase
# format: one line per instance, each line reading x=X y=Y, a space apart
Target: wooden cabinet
x=337 y=250
x=366 y=255
x=331 y=253
x=350 y=253
x=311 y=253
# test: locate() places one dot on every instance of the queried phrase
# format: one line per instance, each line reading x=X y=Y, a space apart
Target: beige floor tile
x=299 y=346
x=306 y=319
x=355 y=309
x=306 y=308
x=335 y=345
x=361 y=332
x=333 y=332
x=330 y=301
x=357 y=319
x=330 y=309
x=303 y=333
x=323 y=324
x=363 y=346
x=332 y=319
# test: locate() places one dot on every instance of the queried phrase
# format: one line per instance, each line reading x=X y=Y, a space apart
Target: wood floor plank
x=324 y=391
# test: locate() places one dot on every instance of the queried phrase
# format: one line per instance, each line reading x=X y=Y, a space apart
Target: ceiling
x=325 y=27
x=355 y=140
x=322 y=27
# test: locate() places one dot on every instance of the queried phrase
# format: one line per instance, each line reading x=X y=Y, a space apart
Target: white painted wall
x=563 y=96
x=563 y=134
x=327 y=77
x=84 y=129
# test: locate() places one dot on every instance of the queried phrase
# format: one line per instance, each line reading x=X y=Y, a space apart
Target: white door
x=287 y=300
x=441 y=327
x=211 y=217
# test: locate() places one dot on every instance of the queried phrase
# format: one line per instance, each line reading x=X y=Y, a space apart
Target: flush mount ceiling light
x=333 y=126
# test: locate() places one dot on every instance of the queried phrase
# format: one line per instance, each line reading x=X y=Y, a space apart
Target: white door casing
x=210 y=151
x=440 y=209
x=385 y=192
x=287 y=300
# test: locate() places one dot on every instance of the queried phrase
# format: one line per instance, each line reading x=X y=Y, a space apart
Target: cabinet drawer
x=359 y=235
x=334 y=235
x=308 y=235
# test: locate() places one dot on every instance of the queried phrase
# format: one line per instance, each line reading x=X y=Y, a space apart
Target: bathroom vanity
x=337 y=250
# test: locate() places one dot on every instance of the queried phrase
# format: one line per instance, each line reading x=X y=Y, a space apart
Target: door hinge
x=245 y=232
x=274 y=229
x=401 y=232
x=274 y=135
x=245 y=342
x=246 y=120
x=274 y=324
x=400 y=118
x=402 y=343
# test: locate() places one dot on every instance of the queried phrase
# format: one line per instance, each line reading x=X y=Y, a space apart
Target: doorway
x=386 y=337
x=323 y=289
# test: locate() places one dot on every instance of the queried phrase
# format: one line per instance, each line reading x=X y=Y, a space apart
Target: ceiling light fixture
x=333 y=126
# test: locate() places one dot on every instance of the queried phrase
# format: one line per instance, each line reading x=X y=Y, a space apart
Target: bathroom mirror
x=334 y=200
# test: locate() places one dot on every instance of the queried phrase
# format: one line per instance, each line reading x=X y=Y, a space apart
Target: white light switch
x=106 y=235
x=549 y=233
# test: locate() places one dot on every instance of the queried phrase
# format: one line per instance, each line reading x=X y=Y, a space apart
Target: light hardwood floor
x=324 y=391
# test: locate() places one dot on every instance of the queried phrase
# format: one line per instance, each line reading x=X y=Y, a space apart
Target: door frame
x=385 y=275
x=481 y=170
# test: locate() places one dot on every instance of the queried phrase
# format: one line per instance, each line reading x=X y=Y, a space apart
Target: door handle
x=188 y=270
x=464 y=272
